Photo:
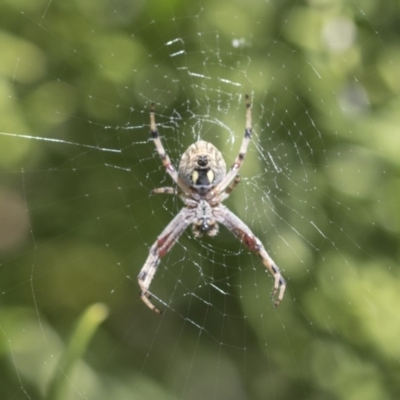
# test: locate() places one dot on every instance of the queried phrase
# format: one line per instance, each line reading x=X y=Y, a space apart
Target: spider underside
x=203 y=184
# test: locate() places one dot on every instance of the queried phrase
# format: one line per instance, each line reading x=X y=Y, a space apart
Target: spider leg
x=162 y=153
x=233 y=171
x=160 y=248
x=230 y=188
x=226 y=217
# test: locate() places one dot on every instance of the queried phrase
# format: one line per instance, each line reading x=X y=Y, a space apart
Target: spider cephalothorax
x=203 y=183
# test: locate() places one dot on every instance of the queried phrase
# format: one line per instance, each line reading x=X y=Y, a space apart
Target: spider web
x=319 y=187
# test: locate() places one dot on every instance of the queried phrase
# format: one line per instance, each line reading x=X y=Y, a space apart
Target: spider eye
x=202 y=161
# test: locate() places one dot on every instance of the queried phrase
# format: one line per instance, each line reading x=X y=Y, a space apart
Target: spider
x=202 y=184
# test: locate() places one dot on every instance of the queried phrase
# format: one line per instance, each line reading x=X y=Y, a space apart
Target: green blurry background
x=320 y=186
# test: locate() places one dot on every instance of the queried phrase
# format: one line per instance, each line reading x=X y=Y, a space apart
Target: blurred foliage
x=76 y=219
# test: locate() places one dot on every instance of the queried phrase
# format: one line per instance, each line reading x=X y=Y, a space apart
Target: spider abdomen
x=202 y=166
